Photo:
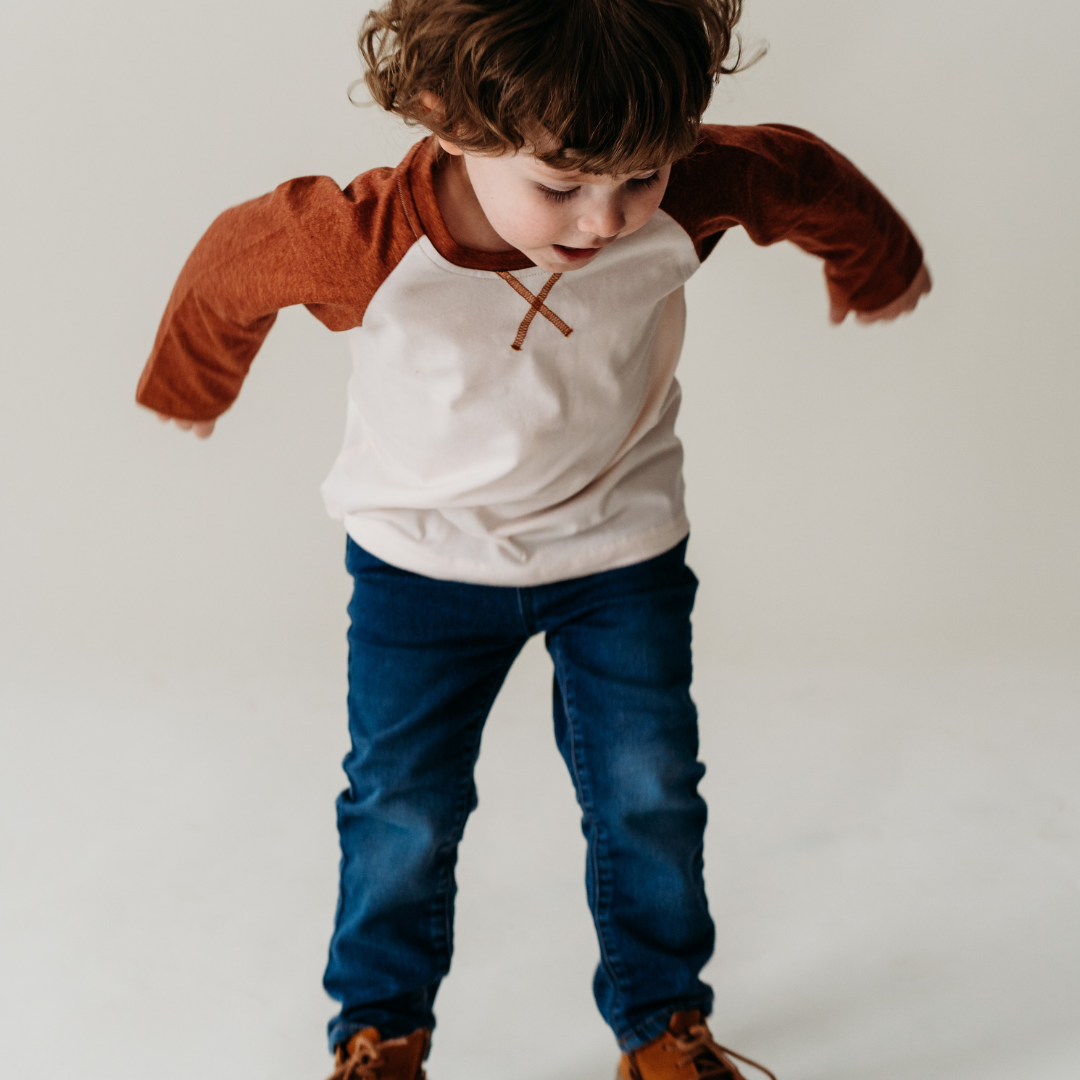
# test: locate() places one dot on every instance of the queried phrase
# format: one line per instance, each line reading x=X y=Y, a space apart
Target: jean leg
x=627 y=729
x=426 y=659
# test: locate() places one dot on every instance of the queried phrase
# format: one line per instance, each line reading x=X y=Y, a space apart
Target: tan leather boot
x=685 y=1051
x=367 y=1056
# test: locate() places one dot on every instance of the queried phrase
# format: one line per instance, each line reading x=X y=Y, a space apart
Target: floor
x=893 y=863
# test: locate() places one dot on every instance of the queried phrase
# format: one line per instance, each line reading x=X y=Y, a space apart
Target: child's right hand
x=202 y=429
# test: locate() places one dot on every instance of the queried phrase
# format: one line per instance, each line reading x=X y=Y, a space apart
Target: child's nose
x=603 y=220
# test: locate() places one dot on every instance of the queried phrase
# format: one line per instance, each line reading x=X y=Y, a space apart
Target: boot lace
x=711 y=1060
x=361 y=1064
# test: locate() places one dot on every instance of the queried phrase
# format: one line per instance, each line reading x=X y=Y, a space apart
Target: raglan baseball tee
x=506 y=425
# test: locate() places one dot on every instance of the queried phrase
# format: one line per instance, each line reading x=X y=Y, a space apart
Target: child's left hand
x=900 y=306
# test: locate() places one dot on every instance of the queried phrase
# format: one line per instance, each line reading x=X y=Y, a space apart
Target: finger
x=162 y=417
x=904 y=303
x=837 y=312
x=923 y=281
x=203 y=429
x=885 y=314
x=183 y=425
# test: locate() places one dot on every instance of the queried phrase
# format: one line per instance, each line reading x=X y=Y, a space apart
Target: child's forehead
x=529 y=159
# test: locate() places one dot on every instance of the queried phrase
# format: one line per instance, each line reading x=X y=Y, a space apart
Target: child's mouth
x=575 y=254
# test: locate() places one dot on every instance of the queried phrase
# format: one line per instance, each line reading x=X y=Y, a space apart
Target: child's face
x=560 y=220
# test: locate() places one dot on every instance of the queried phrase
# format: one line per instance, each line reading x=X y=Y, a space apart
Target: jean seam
x=609 y=955
x=442 y=916
x=343 y=863
x=527 y=609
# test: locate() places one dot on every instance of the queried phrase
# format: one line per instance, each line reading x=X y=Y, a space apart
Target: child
x=513 y=297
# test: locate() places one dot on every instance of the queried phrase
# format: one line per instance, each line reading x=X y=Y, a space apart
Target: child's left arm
x=783 y=183
x=904 y=303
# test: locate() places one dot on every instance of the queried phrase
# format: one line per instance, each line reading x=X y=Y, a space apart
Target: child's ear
x=434 y=106
x=451 y=148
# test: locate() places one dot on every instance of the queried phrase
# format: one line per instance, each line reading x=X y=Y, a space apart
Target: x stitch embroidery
x=536 y=304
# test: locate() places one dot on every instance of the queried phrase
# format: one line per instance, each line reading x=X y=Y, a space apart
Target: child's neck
x=460 y=209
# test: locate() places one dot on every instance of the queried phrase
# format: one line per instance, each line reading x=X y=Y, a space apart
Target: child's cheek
x=531 y=226
x=544 y=228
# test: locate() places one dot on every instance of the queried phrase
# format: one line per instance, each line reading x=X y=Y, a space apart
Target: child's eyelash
x=554 y=195
x=561 y=196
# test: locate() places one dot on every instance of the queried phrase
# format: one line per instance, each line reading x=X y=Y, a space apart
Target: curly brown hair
x=602 y=86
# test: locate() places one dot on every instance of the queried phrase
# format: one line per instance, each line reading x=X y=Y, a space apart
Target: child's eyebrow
x=555 y=175
x=578 y=177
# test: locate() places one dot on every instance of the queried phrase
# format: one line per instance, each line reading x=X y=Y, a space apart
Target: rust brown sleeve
x=307 y=242
x=782 y=183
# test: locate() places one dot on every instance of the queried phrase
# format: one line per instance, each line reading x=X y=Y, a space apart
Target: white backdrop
x=885 y=524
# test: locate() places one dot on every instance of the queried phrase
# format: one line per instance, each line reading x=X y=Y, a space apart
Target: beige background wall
x=902 y=492
x=885 y=521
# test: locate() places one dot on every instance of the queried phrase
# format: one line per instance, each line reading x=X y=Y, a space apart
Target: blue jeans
x=426 y=659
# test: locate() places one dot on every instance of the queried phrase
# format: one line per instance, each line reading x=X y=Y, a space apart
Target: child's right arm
x=307 y=242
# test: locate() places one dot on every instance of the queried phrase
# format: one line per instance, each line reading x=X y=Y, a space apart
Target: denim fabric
x=426 y=659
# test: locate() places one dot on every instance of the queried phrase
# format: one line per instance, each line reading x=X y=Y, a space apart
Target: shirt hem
x=382 y=542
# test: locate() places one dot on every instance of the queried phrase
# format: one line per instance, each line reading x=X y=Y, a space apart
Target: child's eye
x=554 y=194
x=645 y=181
